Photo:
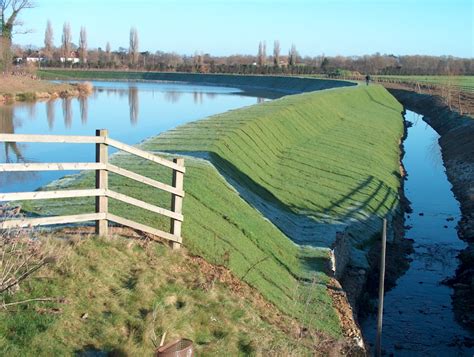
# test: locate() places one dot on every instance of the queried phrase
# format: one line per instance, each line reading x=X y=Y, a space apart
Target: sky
x=224 y=27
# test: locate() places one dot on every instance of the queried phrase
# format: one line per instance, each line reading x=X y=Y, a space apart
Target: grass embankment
x=324 y=154
x=288 y=85
x=23 y=88
x=120 y=296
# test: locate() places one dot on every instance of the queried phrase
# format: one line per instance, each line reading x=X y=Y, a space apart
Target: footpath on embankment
x=457 y=147
x=304 y=166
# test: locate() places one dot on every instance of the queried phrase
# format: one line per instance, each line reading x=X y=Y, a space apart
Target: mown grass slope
x=324 y=155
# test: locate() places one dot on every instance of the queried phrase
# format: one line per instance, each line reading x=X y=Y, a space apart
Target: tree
x=133 y=49
x=276 y=53
x=48 y=41
x=9 y=11
x=83 y=45
x=107 y=53
x=66 y=42
x=262 y=54
x=292 y=56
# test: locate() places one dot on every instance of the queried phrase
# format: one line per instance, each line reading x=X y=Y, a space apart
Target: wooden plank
x=138 y=203
x=44 y=221
x=32 y=138
x=145 y=155
x=143 y=179
x=66 y=166
x=44 y=195
x=101 y=183
x=143 y=228
x=177 y=202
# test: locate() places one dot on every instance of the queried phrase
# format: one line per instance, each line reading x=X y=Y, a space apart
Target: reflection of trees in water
x=436 y=254
x=50 y=113
x=133 y=104
x=6 y=126
x=67 y=112
x=84 y=108
x=12 y=151
x=173 y=96
x=211 y=95
x=198 y=97
x=31 y=109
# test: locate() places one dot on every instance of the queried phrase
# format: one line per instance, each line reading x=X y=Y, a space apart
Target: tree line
x=70 y=54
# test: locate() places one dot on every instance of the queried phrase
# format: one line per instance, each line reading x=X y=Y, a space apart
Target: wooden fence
x=102 y=167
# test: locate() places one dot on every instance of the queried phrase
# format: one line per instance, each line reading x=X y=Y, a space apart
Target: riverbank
x=457 y=149
x=25 y=88
x=339 y=149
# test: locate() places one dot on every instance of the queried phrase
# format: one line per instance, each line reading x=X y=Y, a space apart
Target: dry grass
x=13 y=85
x=120 y=296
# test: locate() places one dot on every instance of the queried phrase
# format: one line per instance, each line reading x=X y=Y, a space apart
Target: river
x=418 y=312
x=130 y=111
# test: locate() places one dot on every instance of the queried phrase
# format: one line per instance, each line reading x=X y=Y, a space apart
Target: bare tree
x=262 y=53
x=107 y=53
x=9 y=11
x=66 y=42
x=133 y=49
x=276 y=53
x=48 y=40
x=292 y=56
x=83 y=45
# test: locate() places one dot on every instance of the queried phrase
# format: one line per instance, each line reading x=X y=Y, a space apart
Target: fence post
x=177 y=203
x=101 y=182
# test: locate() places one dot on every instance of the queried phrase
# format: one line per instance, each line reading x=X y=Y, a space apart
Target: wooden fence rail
x=102 y=193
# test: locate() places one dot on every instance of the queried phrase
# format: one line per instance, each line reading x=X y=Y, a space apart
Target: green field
x=326 y=157
x=463 y=82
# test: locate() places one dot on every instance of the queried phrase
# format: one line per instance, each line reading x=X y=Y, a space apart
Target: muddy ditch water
x=418 y=313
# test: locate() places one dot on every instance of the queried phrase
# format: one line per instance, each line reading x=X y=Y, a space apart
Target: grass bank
x=122 y=307
x=326 y=160
x=287 y=85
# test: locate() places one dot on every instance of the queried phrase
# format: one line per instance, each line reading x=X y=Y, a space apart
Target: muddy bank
x=457 y=148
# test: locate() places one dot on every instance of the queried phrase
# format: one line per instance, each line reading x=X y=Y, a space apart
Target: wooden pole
x=177 y=203
x=378 y=345
x=101 y=182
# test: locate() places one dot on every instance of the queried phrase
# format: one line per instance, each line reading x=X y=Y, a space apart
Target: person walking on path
x=367 y=79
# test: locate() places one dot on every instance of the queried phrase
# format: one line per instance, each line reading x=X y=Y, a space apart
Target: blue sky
x=223 y=27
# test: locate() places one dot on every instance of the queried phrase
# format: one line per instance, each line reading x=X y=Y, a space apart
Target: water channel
x=418 y=313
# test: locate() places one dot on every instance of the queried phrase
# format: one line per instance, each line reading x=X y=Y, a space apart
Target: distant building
x=72 y=58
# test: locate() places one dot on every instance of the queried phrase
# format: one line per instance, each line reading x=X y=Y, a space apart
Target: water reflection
x=128 y=110
x=83 y=108
x=50 y=113
x=173 y=96
x=67 y=112
x=12 y=152
x=6 y=127
x=133 y=104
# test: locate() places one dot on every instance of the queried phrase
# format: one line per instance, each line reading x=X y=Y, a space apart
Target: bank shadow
x=303 y=229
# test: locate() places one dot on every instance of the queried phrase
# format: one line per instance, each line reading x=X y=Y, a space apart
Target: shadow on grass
x=301 y=228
